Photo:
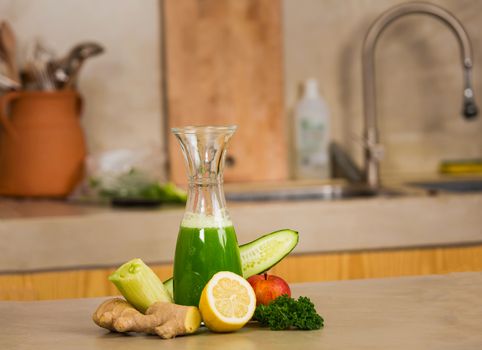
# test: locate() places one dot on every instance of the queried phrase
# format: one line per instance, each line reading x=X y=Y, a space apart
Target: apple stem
x=266 y=276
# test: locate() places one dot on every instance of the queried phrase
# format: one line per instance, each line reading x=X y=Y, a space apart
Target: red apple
x=268 y=287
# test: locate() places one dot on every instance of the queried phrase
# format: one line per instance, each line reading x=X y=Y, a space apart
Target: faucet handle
x=376 y=149
x=469 y=109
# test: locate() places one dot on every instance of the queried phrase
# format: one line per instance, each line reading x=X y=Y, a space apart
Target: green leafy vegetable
x=285 y=312
x=136 y=185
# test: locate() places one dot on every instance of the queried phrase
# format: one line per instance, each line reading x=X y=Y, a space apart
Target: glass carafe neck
x=204 y=150
x=206 y=206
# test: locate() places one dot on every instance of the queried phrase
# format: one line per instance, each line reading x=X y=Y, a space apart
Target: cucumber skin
x=169 y=282
x=249 y=244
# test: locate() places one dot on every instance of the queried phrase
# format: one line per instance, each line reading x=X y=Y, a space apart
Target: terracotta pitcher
x=42 y=146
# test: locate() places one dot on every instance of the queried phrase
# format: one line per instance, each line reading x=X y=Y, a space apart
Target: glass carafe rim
x=193 y=129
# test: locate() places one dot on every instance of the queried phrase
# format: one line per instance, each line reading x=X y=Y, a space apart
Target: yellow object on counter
x=470 y=166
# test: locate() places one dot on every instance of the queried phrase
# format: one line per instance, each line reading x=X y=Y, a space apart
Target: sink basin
x=450 y=185
x=320 y=192
x=344 y=190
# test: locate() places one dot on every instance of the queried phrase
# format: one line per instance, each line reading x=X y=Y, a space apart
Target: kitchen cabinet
x=295 y=268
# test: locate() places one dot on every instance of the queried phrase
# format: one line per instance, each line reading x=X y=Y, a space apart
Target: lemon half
x=227 y=302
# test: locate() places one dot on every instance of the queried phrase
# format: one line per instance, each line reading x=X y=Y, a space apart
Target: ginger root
x=165 y=319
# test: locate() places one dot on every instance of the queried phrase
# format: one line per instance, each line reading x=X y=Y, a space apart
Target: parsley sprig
x=285 y=313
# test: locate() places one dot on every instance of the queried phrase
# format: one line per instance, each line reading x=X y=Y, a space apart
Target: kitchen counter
x=430 y=312
x=42 y=236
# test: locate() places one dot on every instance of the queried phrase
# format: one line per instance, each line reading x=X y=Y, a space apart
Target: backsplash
x=419 y=75
x=418 y=78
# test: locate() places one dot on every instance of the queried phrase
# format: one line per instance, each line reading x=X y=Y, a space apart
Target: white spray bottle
x=311 y=134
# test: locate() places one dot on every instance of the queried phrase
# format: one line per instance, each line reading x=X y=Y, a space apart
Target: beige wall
x=419 y=77
x=419 y=74
x=122 y=87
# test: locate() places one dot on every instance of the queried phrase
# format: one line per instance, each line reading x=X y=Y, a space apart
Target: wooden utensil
x=8 y=50
x=8 y=84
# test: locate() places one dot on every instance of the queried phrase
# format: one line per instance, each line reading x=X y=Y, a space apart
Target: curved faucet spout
x=469 y=109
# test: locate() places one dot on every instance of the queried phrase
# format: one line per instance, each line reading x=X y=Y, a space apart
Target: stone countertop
x=84 y=237
x=429 y=312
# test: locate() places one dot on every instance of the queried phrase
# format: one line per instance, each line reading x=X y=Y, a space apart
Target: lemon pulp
x=227 y=302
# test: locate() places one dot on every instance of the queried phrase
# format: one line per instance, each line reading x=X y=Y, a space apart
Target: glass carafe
x=206 y=242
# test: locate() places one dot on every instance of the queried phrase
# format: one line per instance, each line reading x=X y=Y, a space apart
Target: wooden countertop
x=430 y=312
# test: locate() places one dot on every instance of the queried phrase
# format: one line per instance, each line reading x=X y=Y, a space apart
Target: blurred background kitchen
x=272 y=67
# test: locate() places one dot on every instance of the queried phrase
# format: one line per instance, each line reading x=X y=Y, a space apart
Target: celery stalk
x=139 y=285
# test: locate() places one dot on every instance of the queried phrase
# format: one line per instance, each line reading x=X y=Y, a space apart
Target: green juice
x=200 y=253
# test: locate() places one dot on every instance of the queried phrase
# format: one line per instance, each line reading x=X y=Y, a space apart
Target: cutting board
x=223 y=65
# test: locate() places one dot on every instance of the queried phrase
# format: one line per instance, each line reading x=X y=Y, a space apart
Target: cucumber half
x=261 y=254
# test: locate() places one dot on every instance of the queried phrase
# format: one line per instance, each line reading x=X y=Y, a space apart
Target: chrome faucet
x=373 y=149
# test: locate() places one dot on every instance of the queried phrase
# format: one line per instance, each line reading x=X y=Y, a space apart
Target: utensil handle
x=7 y=83
x=80 y=105
x=13 y=70
x=5 y=100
